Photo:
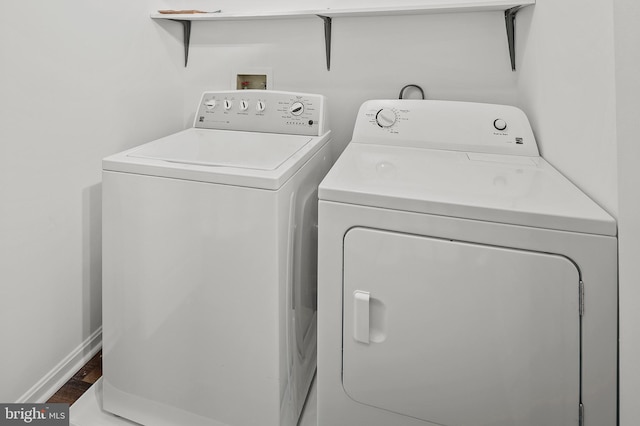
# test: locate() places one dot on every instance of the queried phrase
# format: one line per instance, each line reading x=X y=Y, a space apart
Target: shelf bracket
x=327 y=39
x=510 y=20
x=186 y=27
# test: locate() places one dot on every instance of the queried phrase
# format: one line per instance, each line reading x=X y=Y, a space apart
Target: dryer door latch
x=361 y=316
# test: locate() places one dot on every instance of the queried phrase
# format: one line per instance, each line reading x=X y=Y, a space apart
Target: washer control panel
x=456 y=126
x=262 y=111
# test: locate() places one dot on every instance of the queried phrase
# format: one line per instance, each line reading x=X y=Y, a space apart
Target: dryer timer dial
x=386 y=117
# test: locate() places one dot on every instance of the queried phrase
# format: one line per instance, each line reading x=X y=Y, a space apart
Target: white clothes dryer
x=463 y=281
x=209 y=264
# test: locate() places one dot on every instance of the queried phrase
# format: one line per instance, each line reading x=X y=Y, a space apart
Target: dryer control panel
x=446 y=125
x=262 y=111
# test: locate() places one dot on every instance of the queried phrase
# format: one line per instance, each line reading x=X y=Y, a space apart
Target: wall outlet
x=253 y=78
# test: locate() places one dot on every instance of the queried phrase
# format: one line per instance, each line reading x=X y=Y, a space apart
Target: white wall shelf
x=509 y=7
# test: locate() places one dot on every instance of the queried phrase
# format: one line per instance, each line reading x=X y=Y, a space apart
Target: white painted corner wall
x=79 y=80
x=566 y=85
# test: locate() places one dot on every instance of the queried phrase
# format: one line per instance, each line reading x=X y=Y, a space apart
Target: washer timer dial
x=296 y=108
x=386 y=117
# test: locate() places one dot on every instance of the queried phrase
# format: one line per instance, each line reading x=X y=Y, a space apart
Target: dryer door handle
x=361 y=316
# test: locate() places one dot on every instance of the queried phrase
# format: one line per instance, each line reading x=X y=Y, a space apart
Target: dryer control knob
x=261 y=106
x=210 y=104
x=386 y=117
x=499 y=124
x=228 y=104
x=244 y=105
x=296 y=108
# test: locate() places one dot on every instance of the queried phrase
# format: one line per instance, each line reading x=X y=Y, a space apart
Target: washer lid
x=508 y=189
x=251 y=159
x=245 y=150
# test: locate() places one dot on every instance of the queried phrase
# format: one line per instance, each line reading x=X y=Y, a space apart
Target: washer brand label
x=34 y=414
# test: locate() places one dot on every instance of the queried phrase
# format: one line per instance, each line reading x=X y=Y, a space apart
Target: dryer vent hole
x=251 y=81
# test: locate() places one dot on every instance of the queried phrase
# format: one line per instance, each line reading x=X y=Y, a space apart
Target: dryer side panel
x=460 y=334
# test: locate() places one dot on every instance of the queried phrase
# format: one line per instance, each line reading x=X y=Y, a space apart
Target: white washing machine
x=463 y=281
x=209 y=264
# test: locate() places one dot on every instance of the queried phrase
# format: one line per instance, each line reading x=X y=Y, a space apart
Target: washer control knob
x=261 y=106
x=210 y=104
x=228 y=104
x=296 y=108
x=499 y=124
x=386 y=117
x=244 y=105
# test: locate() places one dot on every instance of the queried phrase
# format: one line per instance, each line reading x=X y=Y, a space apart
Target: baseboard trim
x=61 y=373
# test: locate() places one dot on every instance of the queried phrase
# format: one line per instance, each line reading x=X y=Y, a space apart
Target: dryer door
x=460 y=334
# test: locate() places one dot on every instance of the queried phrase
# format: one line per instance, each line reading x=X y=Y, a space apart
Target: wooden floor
x=80 y=382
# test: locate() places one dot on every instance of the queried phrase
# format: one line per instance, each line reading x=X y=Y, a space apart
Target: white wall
x=566 y=86
x=79 y=80
x=627 y=40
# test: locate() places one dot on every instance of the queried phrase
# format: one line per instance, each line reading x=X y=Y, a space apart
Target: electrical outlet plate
x=254 y=78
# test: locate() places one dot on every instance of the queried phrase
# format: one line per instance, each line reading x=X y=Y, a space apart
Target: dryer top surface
x=511 y=189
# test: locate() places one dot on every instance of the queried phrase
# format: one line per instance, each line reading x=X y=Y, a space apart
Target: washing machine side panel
x=298 y=220
x=188 y=266
x=595 y=256
x=463 y=334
